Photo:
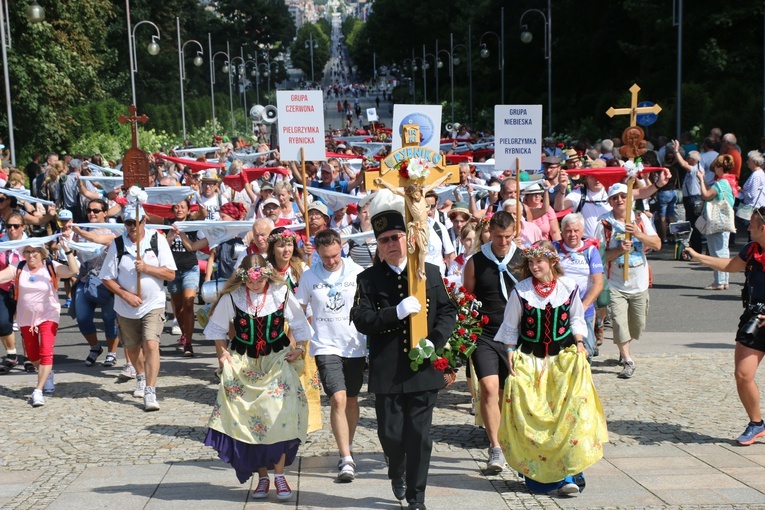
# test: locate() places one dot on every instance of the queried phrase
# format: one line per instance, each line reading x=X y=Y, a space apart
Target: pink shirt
x=38 y=300
x=9 y=258
x=543 y=222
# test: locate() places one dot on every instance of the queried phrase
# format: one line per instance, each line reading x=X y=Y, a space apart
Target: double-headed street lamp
x=312 y=45
x=527 y=37
x=152 y=48
x=35 y=14
x=501 y=56
x=198 y=61
x=225 y=69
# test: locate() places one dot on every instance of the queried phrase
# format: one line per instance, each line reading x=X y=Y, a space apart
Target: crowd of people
x=316 y=292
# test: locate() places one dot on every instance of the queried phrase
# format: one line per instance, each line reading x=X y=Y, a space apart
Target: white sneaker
x=140 y=388
x=15 y=326
x=127 y=373
x=568 y=489
x=176 y=330
x=496 y=461
x=37 y=398
x=347 y=471
x=150 y=400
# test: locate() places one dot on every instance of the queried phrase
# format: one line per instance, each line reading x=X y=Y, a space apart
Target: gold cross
x=633 y=111
x=391 y=178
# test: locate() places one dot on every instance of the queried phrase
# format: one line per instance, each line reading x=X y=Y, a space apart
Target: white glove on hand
x=407 y=307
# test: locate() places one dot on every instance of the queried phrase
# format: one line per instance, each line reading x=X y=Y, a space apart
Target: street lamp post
x=270 y=72
x=152 y=48
x=455 y=62
x=226 y=70
x=35 y=14
x=198 y=61
x=426 y=66
x=312 y=45
x=413 y=68
x=501 y=41
x=527 y=37
x=241 y=74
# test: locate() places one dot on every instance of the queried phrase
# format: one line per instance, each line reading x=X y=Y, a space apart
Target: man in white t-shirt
x=140 y=317
x=628 y=306
x=340 y=351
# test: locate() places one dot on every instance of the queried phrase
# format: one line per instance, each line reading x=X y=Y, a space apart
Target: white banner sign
x=372 y=115
x=428 y=117
x=518 y=134
x=301 y=124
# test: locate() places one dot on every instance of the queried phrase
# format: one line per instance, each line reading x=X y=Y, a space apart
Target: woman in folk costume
x=552 y=425
x=260 y=415
x=288 y=260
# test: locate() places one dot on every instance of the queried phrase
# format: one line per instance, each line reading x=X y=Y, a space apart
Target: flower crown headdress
x=284 y=235
x=255 y=273
x=536 y=252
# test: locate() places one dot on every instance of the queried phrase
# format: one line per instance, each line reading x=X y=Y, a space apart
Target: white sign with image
x=428 y=117
x=518 y=135
x=301 y=124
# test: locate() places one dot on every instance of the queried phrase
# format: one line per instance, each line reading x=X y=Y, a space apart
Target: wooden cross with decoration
x=410 y=172
x=633 y=111
x=135 y=163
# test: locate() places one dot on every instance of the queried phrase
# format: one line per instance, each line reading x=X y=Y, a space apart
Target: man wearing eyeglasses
x=404 y=399
x=140 y=317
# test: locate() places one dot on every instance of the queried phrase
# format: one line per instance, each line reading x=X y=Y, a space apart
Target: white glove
x=407 y=307
x=428 y=343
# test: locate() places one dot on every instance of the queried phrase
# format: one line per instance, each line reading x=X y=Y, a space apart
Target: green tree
x=300 y=51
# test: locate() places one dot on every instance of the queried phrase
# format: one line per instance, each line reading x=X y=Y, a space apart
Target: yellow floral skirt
x=552 y=423
x=309 y=378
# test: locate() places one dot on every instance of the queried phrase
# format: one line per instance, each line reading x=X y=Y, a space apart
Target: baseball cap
x=65 y=215
x=617 y=189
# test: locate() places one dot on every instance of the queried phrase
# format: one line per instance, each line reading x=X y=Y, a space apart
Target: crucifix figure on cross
x=411 y=172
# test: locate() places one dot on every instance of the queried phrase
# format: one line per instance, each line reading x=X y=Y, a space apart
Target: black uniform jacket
x=379 y=290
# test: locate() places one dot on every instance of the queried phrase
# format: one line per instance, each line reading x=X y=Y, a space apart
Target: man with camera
x=750 y=336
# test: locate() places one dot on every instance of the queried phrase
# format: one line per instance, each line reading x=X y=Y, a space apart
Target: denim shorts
x=184 y=280
x=665 y=202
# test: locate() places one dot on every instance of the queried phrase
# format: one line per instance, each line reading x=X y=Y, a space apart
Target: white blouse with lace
x=508 y=331
x=220 y=320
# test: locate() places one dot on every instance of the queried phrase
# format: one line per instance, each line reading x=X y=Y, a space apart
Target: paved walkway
x=671 y=432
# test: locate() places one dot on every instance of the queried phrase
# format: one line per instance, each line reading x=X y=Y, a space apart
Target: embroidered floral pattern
x=258 y=427
x=252 y=376
x=233 y=389
x=277 y=389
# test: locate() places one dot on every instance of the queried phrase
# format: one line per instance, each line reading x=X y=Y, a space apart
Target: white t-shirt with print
x=334 y=333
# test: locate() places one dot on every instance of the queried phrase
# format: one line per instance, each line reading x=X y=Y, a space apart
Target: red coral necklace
x=544 y=289
x=260 y=306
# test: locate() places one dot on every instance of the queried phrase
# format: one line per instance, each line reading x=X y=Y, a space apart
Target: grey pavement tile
x=720 y=456
x=9 y=476
x=634 y=451
x=612 y=490
x=111 y=501
x=663 y=465
x=199 y=495
x=712 y=495
x=687 y=481
x=211 y=472
x=11 y=490
x=119 y=479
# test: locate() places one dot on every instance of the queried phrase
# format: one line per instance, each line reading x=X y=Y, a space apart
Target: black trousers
x=403 y=426
x=692 y=217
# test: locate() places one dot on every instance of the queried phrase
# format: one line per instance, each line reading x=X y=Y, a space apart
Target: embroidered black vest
x=259 y=336
x=544 y=332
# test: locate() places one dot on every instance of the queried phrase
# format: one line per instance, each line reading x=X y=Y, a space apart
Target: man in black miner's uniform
x=404 y=399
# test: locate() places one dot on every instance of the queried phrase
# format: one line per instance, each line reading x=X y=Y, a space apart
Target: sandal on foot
x=7 y=364
x=93 y=356
x=715 y=287
x=29 y=367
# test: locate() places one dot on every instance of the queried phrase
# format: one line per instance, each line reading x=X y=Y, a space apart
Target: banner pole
x=518 y=216
x=138 y=244
x=305 y=202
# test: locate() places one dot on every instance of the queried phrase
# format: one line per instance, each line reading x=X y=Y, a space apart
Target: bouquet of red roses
x=461 y=343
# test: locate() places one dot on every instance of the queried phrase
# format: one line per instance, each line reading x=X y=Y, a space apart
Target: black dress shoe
x=417 y=506
x=399 y=488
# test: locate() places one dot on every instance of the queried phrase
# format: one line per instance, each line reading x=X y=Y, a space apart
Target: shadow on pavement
x=197 y=492
x=654 y=433
x=464 y=435
x=729 y=345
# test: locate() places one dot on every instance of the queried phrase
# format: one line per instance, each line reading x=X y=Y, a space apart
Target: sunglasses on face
x=389 y=239
x=2 y=199
x=14 y=225
x=95 y=211
x=130 y=223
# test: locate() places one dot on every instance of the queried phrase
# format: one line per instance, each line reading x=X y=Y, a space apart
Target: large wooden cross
x=634 y=110
x=391 y=177
x=135 y=163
